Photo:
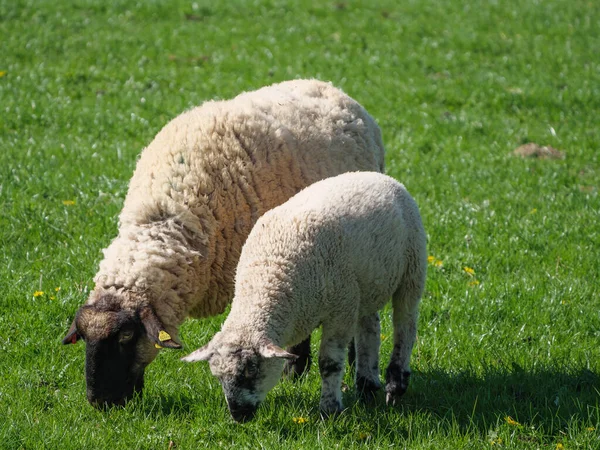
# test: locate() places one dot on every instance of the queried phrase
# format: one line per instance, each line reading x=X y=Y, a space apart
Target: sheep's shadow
x=473 y=401
x=540 y=397
x=536 y=398
x=164 y=404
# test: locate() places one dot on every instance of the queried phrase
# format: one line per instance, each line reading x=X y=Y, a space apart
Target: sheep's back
x=218 y=167
x=292 y=134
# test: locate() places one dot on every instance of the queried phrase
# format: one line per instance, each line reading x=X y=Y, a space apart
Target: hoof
x=397 y=384
x=330 y=409
x=367 y=389
x=390 y=400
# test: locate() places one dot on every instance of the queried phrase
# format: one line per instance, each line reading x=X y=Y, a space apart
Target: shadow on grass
x=536 y=398
x=543 y=402
x=161 y=404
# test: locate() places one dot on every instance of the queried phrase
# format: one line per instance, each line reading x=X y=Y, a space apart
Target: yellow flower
x=362 y=436
x=52 y=297
x=497 y=441
x=469 y=271
x=474 y=283
x=433 y=260
x=559 y=446
x=38 y=293
x=590 y=429
x=382 y=336
x=300 y=420
x=2 y=73
x=57 y=289
x=68 y=202
x=511 y=421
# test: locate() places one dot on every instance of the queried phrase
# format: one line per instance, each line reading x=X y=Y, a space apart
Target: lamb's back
x=363 y=220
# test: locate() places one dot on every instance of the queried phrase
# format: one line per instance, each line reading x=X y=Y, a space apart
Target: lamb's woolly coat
x=335 y=252
x=209 y=175
x=332 y=255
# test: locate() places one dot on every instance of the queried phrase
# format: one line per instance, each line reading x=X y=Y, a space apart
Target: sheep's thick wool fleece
x=335 y=252
x=210 y=173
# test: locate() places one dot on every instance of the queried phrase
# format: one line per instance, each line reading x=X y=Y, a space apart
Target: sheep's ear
x=155 y=330
x=72 y=335
x=270 y=350
x=202 y=354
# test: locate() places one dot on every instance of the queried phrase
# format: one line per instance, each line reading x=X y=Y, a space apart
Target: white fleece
x=208 y=176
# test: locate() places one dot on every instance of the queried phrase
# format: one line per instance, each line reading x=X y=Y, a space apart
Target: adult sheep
x=197 y=190
x=333 y=255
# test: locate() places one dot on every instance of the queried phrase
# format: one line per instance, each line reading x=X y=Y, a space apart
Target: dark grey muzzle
x=242 y=412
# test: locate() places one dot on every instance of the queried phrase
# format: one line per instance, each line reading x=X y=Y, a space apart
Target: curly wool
x=333 y=253
x=208 y=176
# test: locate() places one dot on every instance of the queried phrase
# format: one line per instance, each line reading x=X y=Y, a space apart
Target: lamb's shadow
x=469 y=399
x=465 y=398
x=473 y=401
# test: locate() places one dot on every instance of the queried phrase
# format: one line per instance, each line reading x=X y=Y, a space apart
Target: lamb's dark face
x=118 y=349
x=246 y=374
x=245 y=377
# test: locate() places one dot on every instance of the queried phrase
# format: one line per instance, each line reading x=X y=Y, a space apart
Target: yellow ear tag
x=164 y=336
x=157 y=346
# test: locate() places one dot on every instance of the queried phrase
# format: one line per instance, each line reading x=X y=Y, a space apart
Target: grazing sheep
x=197 y=190
x=332 y=255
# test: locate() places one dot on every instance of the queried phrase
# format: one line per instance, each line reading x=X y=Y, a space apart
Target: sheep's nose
x=104 y=403
x=242 y=413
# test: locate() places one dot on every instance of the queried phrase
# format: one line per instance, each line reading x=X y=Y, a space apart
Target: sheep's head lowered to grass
x=120 y=343
x=246 y=372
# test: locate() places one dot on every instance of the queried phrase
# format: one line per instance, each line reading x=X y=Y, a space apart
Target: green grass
x=455 y=86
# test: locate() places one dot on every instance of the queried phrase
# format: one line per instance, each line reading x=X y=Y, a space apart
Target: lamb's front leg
x=332 y=358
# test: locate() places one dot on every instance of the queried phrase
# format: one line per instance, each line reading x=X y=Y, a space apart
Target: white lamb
x=332 y=255
x=197 y=190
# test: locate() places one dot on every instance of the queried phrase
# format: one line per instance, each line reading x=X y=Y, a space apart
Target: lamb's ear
x=270 y=350
x=155 y=330
x=72 y=335
x=202 y=354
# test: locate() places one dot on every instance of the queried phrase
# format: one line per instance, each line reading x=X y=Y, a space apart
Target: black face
x=240 y=387
x=120 y=343
x=242 y=412
x=112 y=367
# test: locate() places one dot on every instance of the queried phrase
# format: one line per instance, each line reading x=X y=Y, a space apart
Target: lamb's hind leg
x=352 y=351
x=368 y=339
x=406 y=303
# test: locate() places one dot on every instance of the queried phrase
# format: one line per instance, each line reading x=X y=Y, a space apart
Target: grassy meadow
x=508 y=352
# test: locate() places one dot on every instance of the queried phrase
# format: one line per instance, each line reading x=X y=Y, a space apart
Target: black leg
x=366 y=389
x=396 y=383
x=351 y=355
x=301 y=365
